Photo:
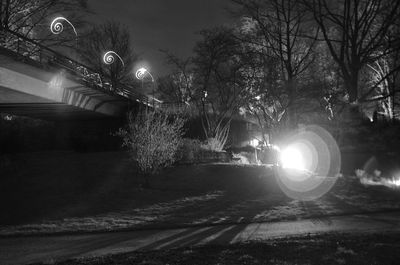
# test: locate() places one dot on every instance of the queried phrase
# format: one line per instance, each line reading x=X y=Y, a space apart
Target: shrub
x=189 y=150
x=249 y=157
x=194 y=151
x=213 y=144
x=240 y=159
x=153 y=138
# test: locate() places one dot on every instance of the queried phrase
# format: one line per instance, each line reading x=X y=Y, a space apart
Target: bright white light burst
x=141 y=72
x=395 y=182
x=292 y=158
x=254 y=142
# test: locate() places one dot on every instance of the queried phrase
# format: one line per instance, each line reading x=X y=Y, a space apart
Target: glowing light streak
x=108 y=58
x=141 y=73
x=56 y=26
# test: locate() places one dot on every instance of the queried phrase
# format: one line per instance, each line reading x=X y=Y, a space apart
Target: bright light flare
x=141 y=73
x=292 y=158
x=254 y=142
x=395 y=182
x=310 y=163
x=366 y=179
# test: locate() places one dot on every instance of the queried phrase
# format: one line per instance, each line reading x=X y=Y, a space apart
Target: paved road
x=23 y=250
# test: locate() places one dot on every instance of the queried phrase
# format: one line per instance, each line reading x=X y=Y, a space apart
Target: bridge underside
x=22 y=104
x=48 y=93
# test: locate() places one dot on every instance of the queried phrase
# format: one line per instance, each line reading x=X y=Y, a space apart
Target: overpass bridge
x=39 y=82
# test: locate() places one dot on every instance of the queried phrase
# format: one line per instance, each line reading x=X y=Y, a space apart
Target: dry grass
x=68 y=192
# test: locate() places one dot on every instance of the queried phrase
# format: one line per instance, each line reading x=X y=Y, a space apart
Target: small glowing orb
x=395 y=182
x=292 y=158
x=254 y=142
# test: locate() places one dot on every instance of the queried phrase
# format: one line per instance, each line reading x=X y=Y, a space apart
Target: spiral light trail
x=141 y=72
x=109 y=58
x=56 y=26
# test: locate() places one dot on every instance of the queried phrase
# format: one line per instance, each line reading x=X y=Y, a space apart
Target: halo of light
x=313 y=163
x=108 y=58
x=56 y=26
x=141 y=73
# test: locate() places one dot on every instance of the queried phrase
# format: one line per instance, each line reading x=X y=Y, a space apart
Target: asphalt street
x=25 y=250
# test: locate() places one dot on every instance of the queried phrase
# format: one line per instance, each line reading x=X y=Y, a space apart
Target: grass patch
x=322 y=249
x=72 y=192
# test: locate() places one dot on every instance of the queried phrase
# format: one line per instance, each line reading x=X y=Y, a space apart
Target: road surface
x=25 y=250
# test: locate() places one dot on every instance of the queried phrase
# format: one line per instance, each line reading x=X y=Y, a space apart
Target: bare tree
x=266 y=99
x=218 y=76
x=211 y=81
x=177 y=87
x=110 y=36
x=279 y=27
x=356 y=32
x=33 y=18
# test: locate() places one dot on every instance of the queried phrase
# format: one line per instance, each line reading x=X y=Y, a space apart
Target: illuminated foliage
x=153 y=138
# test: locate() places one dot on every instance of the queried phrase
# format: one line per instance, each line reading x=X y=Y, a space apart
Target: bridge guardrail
x=38 y=53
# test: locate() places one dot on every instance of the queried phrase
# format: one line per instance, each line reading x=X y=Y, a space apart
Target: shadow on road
x=193 y=236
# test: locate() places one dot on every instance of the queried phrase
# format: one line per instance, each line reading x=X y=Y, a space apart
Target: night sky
x=163 y=24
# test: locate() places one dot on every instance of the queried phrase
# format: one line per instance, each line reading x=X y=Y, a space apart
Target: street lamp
x=56 y=26
x=141 y=74
x=108 y=58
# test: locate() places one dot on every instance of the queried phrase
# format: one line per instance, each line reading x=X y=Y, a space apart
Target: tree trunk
x=291 y=110
x=352 y=86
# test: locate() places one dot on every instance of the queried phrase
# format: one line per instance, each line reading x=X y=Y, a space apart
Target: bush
x=189 y=150
x=246 y=158
x=195 y=151
x=153 y=138
x=213 y=144
x=241 y=159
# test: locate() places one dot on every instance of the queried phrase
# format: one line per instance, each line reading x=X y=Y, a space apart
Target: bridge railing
x=30 y=50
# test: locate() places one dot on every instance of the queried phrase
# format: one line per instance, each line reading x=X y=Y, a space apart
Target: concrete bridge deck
x=38 y=82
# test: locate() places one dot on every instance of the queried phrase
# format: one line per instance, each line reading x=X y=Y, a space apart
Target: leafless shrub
x=153 y=138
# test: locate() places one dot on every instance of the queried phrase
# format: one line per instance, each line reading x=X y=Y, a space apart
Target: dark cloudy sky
x=163 y=24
